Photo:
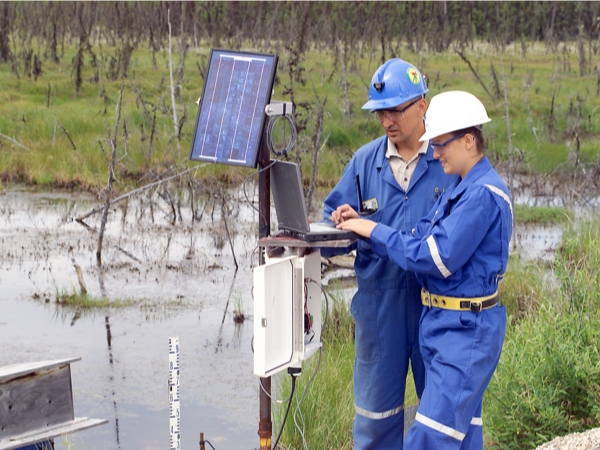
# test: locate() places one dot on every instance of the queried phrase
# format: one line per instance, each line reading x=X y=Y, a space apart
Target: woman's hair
x=477 y=133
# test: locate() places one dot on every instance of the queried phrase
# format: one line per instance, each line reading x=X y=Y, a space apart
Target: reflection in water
x=112 y=378
x=101 y=283
x=181 y=284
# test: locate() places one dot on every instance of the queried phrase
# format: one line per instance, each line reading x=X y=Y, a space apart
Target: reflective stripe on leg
x=477 y=421
x=378 y=415
x=439 y=427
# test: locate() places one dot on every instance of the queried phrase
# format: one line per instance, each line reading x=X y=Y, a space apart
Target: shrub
x=548 y=379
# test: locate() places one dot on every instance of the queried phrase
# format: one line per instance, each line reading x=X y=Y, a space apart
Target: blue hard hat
x=394 y=83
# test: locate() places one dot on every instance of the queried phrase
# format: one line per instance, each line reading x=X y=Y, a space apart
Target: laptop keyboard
x=322 y=227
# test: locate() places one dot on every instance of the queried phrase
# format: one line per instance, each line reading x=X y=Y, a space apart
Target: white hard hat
x=453 y=111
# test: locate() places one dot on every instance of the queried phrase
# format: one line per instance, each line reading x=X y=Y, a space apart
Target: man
x=394 y=180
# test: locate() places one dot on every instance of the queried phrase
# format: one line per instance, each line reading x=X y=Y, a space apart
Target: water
x=184 y=283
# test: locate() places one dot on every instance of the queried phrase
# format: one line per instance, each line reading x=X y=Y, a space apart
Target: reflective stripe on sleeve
x=439 y=427
x=477 y=421
x=378 y=415
x=435 y=254
x=502 y=194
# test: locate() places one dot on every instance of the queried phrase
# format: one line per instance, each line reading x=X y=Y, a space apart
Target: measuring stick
x=174 y=416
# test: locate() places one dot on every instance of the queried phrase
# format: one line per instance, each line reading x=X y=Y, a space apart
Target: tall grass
x=548 y=380
x=541 y=215
x=46 y=114
x=547 y=383
x=322 y=409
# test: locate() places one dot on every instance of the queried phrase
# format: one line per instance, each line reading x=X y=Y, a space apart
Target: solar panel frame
x=231 y=111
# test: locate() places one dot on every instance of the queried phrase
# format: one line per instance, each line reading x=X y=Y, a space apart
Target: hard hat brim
x=374 y=105
x=448 y=128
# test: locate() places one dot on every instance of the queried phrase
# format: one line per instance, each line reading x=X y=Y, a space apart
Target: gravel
x=588 y=440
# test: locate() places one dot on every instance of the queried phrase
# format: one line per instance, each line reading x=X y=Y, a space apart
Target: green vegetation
x=541 y=215
x=548 y=379
x=323 y=405
x=549 y=374
x=85 y=301
x=62 y=133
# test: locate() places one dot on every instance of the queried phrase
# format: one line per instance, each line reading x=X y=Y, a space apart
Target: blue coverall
x=460 y=249
x=387 y=305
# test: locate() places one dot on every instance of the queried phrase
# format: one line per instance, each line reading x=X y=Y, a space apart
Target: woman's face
x=457 y=152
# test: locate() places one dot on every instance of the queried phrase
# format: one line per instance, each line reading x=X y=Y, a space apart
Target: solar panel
x=231 y=111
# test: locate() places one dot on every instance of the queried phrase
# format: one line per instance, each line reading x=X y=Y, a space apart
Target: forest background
x=101 y=97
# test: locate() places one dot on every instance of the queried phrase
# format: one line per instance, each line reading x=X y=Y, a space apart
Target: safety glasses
x=393 y=114
x=440 y=145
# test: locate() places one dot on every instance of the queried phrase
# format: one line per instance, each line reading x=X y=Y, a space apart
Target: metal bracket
x=278 y=108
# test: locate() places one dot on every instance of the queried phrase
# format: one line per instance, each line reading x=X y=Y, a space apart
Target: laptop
x=290 y=207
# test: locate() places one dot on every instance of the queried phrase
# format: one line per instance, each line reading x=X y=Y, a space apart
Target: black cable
x=287 y=410
x=246 y=180
x=206 y=442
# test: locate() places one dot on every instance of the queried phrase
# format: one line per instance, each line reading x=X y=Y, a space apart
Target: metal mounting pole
x=265 y=425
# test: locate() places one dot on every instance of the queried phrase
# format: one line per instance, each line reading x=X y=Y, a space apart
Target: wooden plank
x=35 y=400
x=78 y=424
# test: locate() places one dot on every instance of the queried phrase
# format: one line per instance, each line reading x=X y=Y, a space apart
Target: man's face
x=403 y=121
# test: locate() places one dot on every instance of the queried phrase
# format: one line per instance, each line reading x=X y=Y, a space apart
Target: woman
x=459 y=252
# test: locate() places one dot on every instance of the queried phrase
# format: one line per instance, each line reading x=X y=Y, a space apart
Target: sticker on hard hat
x=413 y=75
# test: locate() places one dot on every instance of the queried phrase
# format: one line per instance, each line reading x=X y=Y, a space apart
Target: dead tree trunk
x=111 y=177
x=316 y=142
x=173 y=103
x=511 y=169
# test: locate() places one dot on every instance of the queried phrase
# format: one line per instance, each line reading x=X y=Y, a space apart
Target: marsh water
x=170 y=270
x=175 y=280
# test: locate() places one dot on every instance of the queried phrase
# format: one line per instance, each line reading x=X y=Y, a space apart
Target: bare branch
x=66 y=132
x=13 y=141
x=80 y=219
x=464 y=58
x=111 y=176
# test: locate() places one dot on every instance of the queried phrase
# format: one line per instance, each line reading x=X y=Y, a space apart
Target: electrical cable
x=286 y=411
x=293 y=140
x=207 y=442
x=326 y=319
x=291 y=143
x=297 y=409
x=274 y=399
x=246 y=180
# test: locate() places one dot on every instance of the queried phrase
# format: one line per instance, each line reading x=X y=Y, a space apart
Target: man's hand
x=343 y=213
x=362 y=227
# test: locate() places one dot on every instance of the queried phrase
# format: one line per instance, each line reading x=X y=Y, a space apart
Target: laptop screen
x=288 y=196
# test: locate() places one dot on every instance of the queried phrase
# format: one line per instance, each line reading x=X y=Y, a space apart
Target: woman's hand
x=343 y=213
x=362 y=227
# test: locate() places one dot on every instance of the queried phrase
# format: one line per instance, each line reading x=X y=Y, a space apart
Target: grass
x=47 y=114
x=323 y=405
x=322 y=409
x=546 y=384
x=549 y=374
x=541 y=215
x=86 y=301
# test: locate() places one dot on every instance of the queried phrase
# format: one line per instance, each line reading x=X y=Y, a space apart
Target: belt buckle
x=428 y=299
x=476 y=307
